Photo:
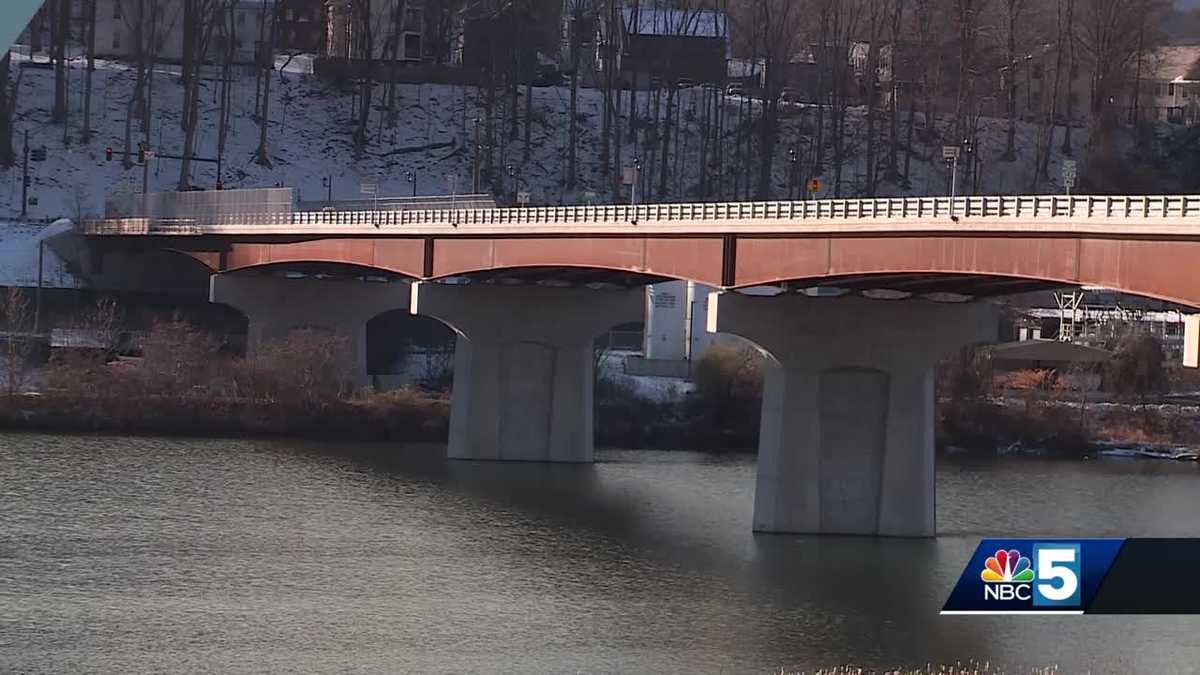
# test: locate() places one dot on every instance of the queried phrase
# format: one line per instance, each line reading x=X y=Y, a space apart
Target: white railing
x=1039 y=208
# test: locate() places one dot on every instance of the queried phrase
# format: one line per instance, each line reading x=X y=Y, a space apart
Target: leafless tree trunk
x=205 y=13
x=1013 y=12
x=6 y=129
x=139 y=89
x=90 y=27
x=262 y=155
x=60 y=15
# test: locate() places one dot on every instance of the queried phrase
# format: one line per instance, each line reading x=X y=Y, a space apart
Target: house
x=1033 y=77
x=655 y=44
x=302 y=26
x=1171 y=90
x=248 y=25
x=394 y=31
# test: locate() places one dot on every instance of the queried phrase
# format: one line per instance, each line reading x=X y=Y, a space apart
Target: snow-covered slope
x=310 y=139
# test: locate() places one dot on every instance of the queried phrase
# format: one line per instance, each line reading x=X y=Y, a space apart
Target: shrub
x=726 y=404
x=1136 y=371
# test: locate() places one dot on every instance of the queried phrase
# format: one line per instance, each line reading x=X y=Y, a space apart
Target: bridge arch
x=1152 y=268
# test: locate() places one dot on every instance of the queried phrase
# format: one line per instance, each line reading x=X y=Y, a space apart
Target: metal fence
x=1016 y=208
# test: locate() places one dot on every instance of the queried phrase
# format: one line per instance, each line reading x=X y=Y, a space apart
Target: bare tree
x=1013 y=13
x=778 y=27
x=60 y=15
x=266 y=66
x=6 y=128
x=1112 y=34
x=205 y=15
x=16 y=325
x=90 y=27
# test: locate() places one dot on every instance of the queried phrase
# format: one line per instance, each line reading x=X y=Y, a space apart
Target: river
x=148 y=555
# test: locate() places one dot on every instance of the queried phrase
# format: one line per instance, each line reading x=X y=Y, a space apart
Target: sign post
x=373 y=190
x=814 y=186
x=1070 y=174
x=950 y=154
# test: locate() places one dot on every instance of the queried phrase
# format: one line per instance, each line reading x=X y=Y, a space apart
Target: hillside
x=310 y=138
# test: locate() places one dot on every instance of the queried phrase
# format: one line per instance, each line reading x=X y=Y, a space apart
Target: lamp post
x=637 y=173
x=475 y=160
x=791 y=174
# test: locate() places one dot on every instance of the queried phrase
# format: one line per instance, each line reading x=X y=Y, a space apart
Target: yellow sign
x=815 y=185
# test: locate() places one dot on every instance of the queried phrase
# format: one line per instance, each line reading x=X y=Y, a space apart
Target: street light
x=411 y=177
x=792 y=174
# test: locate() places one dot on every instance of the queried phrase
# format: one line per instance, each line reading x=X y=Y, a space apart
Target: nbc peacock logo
x=1007 y=566
x=1007 y=575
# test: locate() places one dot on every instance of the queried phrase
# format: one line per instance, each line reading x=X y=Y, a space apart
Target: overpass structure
x=848 y=414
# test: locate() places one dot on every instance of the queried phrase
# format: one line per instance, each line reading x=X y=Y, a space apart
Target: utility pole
x=37 y=307
x=145 y=168
x=25 y=179
x=475 y=161
x=791 y=174
x=637 y=171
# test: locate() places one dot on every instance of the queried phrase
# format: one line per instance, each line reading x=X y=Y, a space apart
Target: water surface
x=147 y=555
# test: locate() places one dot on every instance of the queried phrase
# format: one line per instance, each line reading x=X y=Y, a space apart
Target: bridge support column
x=523 y=366
x=275 y=306
x=847 y=435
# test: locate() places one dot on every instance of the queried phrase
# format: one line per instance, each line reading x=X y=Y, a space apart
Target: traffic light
x=141 y=153
x=108 y=154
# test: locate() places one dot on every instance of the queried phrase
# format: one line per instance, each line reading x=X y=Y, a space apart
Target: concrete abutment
x=524 y=366
x=847 y=435
x=276 y=306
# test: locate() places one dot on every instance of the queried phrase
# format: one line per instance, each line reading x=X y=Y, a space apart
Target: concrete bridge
x=847 y=424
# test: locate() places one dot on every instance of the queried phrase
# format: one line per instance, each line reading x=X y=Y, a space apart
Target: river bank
x=184 y=383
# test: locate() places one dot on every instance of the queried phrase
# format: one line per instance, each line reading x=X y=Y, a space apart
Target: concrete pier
x=523 y=366
x=275 y=306
x=847 y=435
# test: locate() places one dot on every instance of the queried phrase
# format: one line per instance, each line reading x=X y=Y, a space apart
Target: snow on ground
x=19 y=257
x=309 y=136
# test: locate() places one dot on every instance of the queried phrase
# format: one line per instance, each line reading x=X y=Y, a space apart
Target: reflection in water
x=151 y=555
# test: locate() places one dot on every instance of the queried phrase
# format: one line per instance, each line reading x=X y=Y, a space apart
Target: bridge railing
x=1040 y=208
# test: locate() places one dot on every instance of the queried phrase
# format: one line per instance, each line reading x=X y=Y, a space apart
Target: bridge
x=848 y=413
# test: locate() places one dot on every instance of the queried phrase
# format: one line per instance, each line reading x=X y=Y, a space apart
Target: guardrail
x=1015 y=207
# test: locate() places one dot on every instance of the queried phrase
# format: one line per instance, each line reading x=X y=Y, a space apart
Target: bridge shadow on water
x=688 y=537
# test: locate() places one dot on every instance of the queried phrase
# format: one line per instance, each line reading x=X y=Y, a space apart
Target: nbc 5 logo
x=1051 y=580
x=1058 y=575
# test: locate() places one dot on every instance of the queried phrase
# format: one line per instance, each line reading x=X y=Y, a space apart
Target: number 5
x=1059 y=566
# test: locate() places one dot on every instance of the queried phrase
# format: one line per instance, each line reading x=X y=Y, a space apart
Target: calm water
x=124 y=555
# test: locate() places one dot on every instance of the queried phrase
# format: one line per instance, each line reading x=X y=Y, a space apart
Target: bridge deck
x=1157 y=216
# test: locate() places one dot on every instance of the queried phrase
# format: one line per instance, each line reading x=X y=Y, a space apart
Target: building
x=1171 y=90
x=247 y=25
x=1033 y=78
x=302 y=26
x=395 y=30
x=655 y=44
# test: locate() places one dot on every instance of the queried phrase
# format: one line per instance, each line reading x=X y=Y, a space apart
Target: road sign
x=1070 y=171
x=523 y=198
x=815 y=185
x=629 y=175
x=950 y=152
x=369 y=188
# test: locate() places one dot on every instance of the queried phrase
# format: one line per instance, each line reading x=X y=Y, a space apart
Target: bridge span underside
x=973 y=265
